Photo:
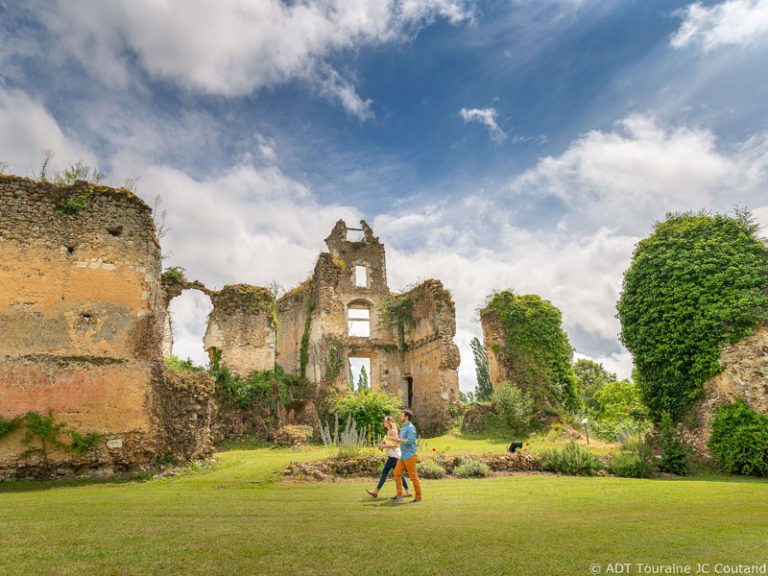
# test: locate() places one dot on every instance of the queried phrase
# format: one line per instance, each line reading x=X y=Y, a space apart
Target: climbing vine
x=335 y=361
x=304 y=350
x=535 y=350
x=697 y=282
x=397 y=311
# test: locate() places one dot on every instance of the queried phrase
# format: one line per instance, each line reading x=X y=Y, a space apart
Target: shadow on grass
x=41 y=485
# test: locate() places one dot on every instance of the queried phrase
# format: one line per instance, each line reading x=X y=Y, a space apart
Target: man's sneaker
x=414 y=501
x=397 y=498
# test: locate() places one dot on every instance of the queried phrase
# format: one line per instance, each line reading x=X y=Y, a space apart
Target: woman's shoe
x=373 y=493
x=408 y=495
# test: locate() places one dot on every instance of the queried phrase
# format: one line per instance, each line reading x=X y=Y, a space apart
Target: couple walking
x=401 y=455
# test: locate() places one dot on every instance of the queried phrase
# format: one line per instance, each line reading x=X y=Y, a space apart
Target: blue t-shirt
x=408 y=449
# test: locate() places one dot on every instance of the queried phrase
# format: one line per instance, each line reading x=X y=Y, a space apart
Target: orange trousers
x=413 y=475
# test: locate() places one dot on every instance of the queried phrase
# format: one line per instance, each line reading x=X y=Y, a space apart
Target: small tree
x=484 y=390
x=515 y=405
x=45 y=430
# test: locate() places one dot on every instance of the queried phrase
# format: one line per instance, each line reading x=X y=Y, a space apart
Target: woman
x=392 y=448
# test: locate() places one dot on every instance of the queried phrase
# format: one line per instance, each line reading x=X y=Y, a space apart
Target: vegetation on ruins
x=335 y=361
x=173 y=275
x=82 y=443
x=76 y=204
x=304 y=348
x=397 y=312
x=266 y=388
x=8 y=425
x=536 y=350
x=739 y=439
x=484 y=389
x=697 y=282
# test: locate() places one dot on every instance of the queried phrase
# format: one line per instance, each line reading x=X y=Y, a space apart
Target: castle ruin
x=84 y=329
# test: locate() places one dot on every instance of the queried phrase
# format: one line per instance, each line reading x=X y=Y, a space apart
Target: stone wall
x=243 y=326
x=493 y=341
x=81 y=317
x=745 y=377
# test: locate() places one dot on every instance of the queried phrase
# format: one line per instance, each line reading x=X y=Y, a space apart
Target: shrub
x=368 y=409
x=635 y=464
x=430 y=469
x=82 y=443
x=265 y=388
x=618 y=400
x=472 y=469
x=674 y=452
x=739 y=439
x=349 y=442
x=515 y=405
x=697 y=282
x=571 y=460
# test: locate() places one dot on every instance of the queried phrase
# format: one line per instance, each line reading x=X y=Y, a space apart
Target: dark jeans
x=389 y=465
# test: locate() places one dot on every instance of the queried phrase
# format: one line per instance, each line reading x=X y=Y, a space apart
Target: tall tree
x=484 y=389
x=591 y=376
x=362 y=382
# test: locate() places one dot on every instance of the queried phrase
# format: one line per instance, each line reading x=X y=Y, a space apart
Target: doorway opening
x=188 y=319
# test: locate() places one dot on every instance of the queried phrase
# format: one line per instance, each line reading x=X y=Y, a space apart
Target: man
x=407 y=441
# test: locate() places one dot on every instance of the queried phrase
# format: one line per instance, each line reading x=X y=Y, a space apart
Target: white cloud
x=734 y=22
x=235 y=47
x=26 y=128
x=486 y=117
x=634 y=175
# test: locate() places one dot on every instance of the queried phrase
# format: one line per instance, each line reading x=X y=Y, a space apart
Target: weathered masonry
x=81 y=317
x=344 y=319
x=84 y=330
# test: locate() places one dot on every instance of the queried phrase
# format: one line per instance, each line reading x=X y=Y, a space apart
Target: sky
x=493 y=144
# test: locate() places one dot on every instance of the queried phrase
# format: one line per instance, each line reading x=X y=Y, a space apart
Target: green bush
x=674 y=451
x=82 y=443
x=472 y=469
x=618 y=400
x=368 y=409
x=739 y=439
x=571 y=460
x=635 y=464
x=515 y=405
x=267 y=388
x=430 y=469
x=697 y=282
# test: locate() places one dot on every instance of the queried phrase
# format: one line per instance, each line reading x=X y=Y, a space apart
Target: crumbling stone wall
x=493 y=341
x=431 y=357
x=314 y=330
x=745 y=377
x=243 y=326
x=81 y=320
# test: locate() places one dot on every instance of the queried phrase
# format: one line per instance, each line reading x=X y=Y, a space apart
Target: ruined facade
x=345 y=314
x=84 y=330
x=81 y=316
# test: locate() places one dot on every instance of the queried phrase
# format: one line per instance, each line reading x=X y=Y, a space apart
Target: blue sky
x=492 y=144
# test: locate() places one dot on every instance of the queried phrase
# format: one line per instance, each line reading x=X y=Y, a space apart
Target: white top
x=393 y=452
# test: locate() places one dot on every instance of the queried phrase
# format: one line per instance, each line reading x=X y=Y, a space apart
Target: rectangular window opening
x=360 y=373
x=359 y=322
x=361 y=276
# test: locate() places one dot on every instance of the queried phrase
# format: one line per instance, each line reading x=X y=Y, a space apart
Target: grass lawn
x=238 y=518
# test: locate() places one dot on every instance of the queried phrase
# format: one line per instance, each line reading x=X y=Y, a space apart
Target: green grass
x=236 y=518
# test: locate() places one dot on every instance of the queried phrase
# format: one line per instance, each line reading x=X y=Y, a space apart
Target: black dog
x=514 y=446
